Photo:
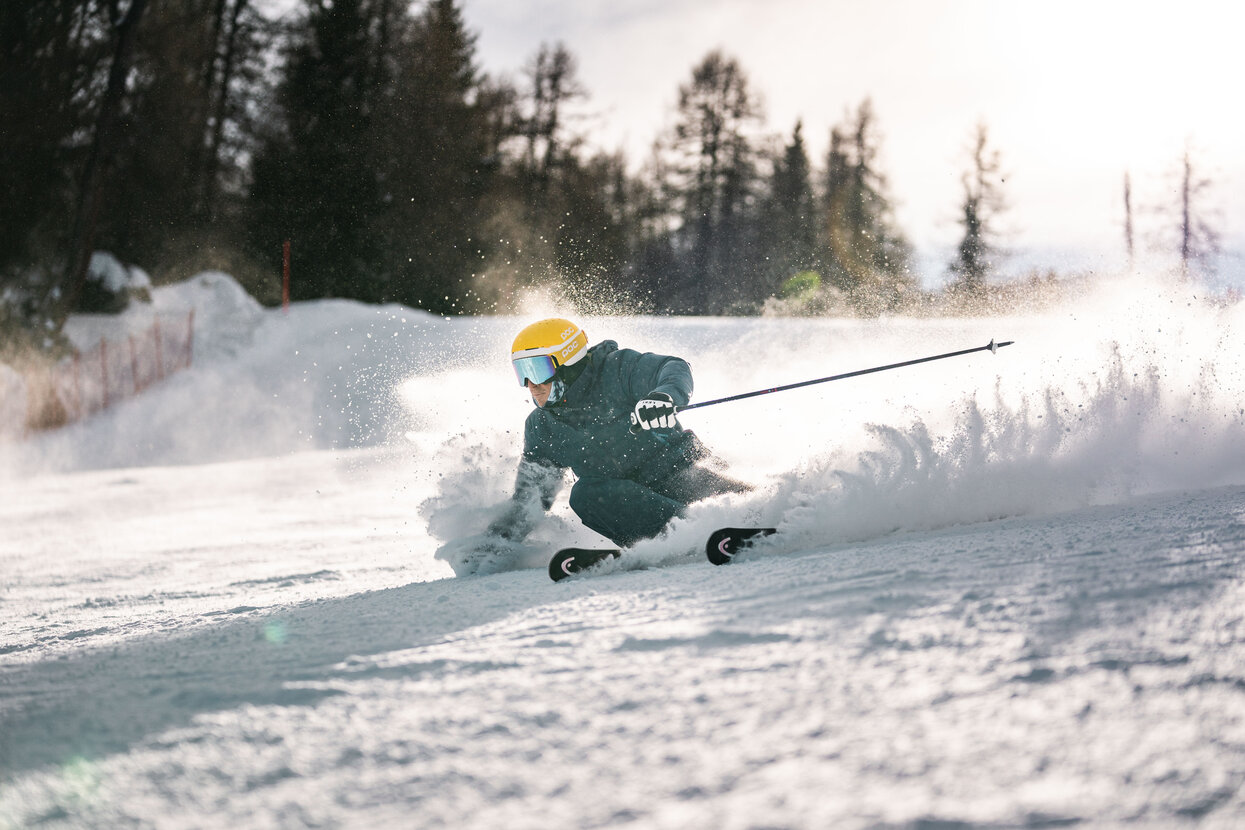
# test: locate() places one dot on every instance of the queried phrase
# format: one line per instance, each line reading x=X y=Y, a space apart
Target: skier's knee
x=586 y=495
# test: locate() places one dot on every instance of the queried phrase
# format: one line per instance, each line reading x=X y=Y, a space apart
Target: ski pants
x=626 y=511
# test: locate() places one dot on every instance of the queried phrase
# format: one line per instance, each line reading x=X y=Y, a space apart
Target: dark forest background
x=183 y=135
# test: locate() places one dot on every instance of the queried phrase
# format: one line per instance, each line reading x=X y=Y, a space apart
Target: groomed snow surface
x=1009 y=590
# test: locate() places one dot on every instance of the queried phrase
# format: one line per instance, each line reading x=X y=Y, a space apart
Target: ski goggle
x=538 y=369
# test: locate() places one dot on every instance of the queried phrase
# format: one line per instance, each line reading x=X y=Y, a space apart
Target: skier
x=607 y=414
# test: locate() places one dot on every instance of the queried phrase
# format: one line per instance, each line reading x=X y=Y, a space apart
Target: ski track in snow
x=1008 y=592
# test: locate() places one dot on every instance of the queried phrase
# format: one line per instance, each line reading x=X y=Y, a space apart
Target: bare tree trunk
x=222 y=101
x=1128 y=220
x=1186 y=229
x=103 y=148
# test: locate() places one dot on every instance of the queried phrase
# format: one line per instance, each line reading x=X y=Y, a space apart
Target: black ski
x=721 y=548
x=573 y=560
x=724 y=543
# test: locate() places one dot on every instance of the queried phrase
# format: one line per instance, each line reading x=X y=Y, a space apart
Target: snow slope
x=1008 y=591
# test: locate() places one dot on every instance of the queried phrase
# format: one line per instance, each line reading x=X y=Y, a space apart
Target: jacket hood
x=570 y=374
x=603 y=348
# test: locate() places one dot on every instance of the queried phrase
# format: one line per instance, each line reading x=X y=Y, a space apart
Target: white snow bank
x=115 y=277
x=262 y=382
x=226 y=317
x=1137 y=390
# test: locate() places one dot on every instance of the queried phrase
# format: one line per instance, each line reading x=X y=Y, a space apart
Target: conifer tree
x=314 y=183
x=869 y=256
x=440 y=160
x=835 y=198
x=240 y=38
x=44 y=49
x=590 y=238
x=123 y=28
x=1129 y=246
x=1198 y=240
x=557 y=215
x=122 y=125
x=980 y=209
x=178 y=169
x=52 y=53
x=554 y=81
x=574 y=206
x=790 y=218
x=715 y=177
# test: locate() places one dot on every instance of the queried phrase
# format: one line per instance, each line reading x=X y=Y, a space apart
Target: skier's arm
x=537 y=480
x=656 y=385
x=663 y=374
x=535 y=487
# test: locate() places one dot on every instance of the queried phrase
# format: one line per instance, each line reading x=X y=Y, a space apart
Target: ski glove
x=654 y=411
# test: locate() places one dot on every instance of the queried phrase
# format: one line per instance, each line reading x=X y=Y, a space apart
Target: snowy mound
x=114 y=277
x=226 y=317
x=261 y=382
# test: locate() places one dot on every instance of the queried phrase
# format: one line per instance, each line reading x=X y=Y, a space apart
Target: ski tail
x=570 y=561
x=724 y=543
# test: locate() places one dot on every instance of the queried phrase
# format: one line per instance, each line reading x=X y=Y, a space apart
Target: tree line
x=187 y=134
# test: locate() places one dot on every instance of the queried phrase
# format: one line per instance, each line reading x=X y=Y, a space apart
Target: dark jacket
x=589 y=430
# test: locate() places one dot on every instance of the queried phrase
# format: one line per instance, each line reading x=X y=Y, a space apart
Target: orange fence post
x=77 y=385
x=155 y=333
x=103 y=368
x=190 y=337
x=135 y=382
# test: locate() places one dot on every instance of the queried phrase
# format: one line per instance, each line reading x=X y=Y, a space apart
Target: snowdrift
x=1137 y=390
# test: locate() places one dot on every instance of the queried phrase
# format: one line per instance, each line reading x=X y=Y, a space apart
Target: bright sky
x=1074 y=93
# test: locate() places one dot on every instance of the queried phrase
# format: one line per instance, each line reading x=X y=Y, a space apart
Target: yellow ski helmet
x=542 y=347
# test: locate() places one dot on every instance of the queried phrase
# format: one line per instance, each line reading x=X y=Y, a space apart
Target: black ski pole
x=991 y=347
